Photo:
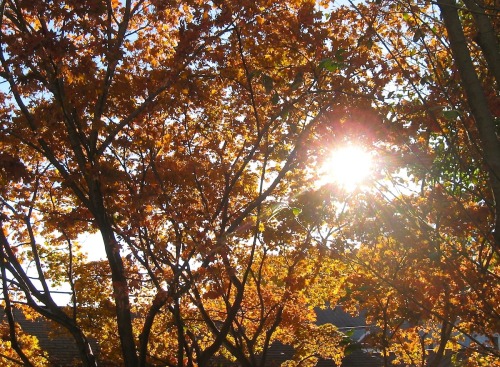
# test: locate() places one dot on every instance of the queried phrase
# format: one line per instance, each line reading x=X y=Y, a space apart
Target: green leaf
x=329 y=64
x=351 y=348
x=296 y=211
x=349 y=333
x=339 y=54
x=451 y=114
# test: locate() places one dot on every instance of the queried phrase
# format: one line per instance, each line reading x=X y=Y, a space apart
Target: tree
x=170 y=128
x=186 y=134
x=427 y=266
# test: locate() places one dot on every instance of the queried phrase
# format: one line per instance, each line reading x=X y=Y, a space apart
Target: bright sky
x=348 y=166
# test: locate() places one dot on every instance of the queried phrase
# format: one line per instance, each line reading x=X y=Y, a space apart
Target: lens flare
x=347 y=167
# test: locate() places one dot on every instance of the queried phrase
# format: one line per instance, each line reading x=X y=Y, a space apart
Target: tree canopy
x=189 y=135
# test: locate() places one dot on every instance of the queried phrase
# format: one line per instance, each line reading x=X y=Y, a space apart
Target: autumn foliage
x=186 y=135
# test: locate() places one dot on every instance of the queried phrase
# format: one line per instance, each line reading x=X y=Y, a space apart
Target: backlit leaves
x=187 y=134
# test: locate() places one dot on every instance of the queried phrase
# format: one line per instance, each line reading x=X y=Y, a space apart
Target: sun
x=348 y=167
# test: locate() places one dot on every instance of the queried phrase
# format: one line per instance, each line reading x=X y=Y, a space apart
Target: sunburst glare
x=347 y=166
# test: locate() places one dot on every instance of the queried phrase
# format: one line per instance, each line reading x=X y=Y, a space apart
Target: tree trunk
x=119 y=280
x=486 y=38
x=121 y=297
x=476 y=99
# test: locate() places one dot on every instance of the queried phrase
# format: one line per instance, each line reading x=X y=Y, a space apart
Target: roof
x=62 y=350
x=355 y=357
x=58 y=344
x=279 y=353
x=354 y=325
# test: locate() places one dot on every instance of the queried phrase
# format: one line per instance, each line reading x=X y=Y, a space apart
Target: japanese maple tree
x=171 y=128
